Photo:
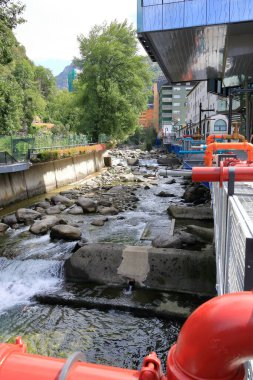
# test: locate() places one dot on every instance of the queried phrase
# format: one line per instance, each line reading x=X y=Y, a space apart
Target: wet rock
x=41 y=227
x=108 y=211
x=76 y=210
x=54 y=210
x=146 y=187
x=132 y=161
x=10 y=220
x=165 y=194
x=40 y=210
x=197 y=194
x=65 y=232
x=206 y=234
x=104 y=203
x=44 y=204
x=98 y=222
x=128 y=178
x=61 y=199
x=197 y=213
x=79 y=244
x=170 y=182
x=168 y=161
x=178 y=241
x=88 y=205
x=27 y=215
x=3 y=227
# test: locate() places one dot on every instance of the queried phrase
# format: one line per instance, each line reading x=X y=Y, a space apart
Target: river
x=31 y=265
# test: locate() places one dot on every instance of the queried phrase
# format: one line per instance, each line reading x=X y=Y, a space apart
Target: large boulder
x=27 y=215
x=165 y=194
x=206 y=234
x=65 y=232
x=108 y=211
x=41 y=227
x=76 y=210
x=61 y=199
x=88 y=205
x=10 y=220
x=44 y=204
x=180 y=240
x=54 y=210
x=196 y=193
x=3 y=227
x=132 y=161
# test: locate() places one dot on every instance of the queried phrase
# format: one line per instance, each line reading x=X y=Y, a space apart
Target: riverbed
x=31 y=265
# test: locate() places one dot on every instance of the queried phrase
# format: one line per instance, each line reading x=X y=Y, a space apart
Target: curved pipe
x=245 y=146
x=215 y=341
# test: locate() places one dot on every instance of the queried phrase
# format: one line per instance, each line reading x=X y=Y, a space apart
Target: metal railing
x=233 y=221
x=7 y=159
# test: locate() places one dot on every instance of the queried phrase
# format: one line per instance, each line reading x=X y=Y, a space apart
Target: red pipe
x=217 y=174
x=245 y=146
x=215 y=341
x=16 y=364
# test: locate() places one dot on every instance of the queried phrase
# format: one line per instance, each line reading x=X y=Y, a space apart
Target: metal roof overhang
x=202 y=52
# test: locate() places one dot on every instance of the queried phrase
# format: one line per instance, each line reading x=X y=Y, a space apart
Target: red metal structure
x=214 y=343
x=213 y=147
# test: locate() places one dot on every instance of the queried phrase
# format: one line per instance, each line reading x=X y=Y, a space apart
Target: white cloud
x=52 y=26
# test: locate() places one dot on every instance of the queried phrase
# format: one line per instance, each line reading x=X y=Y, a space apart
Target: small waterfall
x=21 y=280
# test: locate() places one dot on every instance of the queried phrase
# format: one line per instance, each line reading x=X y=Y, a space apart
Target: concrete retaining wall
x=157 y=268
x=44 y=177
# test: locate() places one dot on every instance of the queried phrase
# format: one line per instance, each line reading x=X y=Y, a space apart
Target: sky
x=52 y=26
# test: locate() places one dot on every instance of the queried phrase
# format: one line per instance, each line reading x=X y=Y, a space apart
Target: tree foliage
x=113 y=86
x=10 y=13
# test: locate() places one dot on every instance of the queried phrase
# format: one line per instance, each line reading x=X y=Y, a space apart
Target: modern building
x=198 y=39
x=172 y=103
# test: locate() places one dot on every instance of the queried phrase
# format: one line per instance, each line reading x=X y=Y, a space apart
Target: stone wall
x=44 y=177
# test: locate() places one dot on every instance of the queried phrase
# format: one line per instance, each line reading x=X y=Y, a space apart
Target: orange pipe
x=215 y=341
x=245 y=146
x=16 y=364
x=216 y=174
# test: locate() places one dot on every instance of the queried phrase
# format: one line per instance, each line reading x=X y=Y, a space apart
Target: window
x=167 y=92
x=176 y=88
x=166 y=100
x=176 y=112
x=176 y=104
x=166 y=107
x=220 y=125
x=176 y=96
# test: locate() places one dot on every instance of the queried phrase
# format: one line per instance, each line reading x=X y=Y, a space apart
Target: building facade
x=204 y=103
x=172 y=103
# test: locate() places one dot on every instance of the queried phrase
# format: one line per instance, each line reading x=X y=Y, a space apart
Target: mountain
x=62 y=78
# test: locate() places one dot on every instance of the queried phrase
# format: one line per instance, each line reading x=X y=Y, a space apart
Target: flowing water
x=32 y=265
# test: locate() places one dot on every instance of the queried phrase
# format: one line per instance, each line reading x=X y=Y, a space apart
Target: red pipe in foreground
x=16 y=364
x=220 y=174
x=215 y=341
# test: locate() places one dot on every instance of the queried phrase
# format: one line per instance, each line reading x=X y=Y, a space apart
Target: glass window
x=176 y=104
x=176 y=112
x=176 y=88
x=176 y=96
x=220 y=125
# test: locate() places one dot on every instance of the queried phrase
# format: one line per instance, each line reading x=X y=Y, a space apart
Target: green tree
x=113 y=87
x=63 y=111
x=10 y=13
x=45 y=81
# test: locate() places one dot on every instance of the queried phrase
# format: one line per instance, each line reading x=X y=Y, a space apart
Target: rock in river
x=41 y=227
x=65 y=232
x=88 y=205
x=3 y=227
x=61 y=199
x=27 y=215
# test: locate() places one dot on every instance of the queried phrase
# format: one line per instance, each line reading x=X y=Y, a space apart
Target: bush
x=48 y=155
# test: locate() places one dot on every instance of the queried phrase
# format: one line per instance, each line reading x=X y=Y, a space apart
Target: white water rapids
x=21 y=280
